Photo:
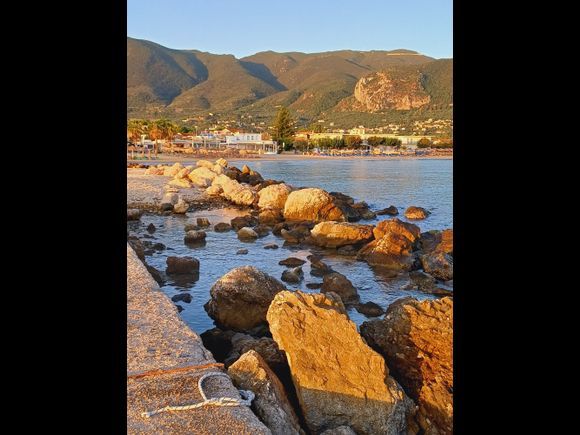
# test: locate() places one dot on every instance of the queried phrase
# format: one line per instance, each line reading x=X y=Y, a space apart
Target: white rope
x=247 y=397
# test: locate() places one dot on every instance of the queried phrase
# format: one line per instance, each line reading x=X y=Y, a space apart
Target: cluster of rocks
x=311 y=370
x=302 y=356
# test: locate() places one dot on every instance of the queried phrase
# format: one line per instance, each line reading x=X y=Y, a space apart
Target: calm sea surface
x=381 y=183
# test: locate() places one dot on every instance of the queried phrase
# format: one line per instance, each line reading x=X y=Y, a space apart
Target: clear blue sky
x=244 y=27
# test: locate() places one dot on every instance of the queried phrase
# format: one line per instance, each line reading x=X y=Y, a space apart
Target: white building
x=244 y=138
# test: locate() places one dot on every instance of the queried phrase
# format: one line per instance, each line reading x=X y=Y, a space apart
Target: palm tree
x=135 y=128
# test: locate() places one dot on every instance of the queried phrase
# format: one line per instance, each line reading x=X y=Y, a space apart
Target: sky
x=245 y=27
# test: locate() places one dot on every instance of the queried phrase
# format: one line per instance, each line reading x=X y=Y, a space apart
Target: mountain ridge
x=167 y=82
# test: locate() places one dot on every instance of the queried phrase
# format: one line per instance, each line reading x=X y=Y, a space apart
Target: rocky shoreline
x=311 y=370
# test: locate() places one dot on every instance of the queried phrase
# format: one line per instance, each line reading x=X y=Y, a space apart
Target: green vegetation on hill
x=179 y=84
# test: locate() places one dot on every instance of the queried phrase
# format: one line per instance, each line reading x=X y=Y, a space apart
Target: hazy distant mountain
x=177 y=82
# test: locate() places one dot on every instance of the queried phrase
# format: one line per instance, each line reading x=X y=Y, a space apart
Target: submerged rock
x=341 y=285
x=247 y=233
x=241 y=251
x=391 y=211
x=262 y=230
x=291 y=262
x=293 y=276
x=222 y=227
x=243 y=221
x=151 y=228
x=203 y=222
x=271 y=246
x=416 y=339
x=181 y=265
x=240 y=298
x=416 y=213
x=314 y=285
x=271 y=404
x=185 y=297
x=193 y=237
x=339 y=380
x=337 y=234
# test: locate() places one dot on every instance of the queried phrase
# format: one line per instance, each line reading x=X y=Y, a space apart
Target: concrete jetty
x=158 y=340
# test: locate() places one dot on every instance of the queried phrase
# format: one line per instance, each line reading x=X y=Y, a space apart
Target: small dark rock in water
x=182 y=265
x=243 y=221
x=370 y=309
x=391 y=211
x=222 y=227
x=185 y=297
x=134 y=214
x=349 y=250
x=151 y=228
x=277 y=230
x=148 y=236
x=179 y=308
x=158 y=246
x=318 y=267
x=341 y=285
x=155 y=274
x=291 y=237
x=293 y=276
x=291 y=262
x=242 y=251
x=149 y=252
x=194 y=237
x=191 y=227
x=271 y=246
x=314 y=285
x=247 y=234
x=342 y=197
x=262 y=230
x=203 y=222
x=166 y=206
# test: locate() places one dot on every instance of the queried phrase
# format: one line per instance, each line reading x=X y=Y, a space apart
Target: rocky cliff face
x=386 y=90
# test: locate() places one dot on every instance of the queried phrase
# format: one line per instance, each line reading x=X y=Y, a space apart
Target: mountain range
x=336 y=84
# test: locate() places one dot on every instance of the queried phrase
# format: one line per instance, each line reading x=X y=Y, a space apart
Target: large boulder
x=180 y=182
x=271 y=403
x=270 y=216
x=171 y=171
x=240 y=298
x=341 y=285
x=393 y=244
x=234 y=191
x=336 y=234
x=416 y=339
x=313 y=205
x=339 y=380
x=202 y=177
x=204 y=164
x=274 y=196
x=438 y=254
x=180 y=207
x=184 y=172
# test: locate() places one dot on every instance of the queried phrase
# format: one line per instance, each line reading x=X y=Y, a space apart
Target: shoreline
x=278 y=157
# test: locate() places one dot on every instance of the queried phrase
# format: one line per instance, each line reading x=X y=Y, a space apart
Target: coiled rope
x=247 y=397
